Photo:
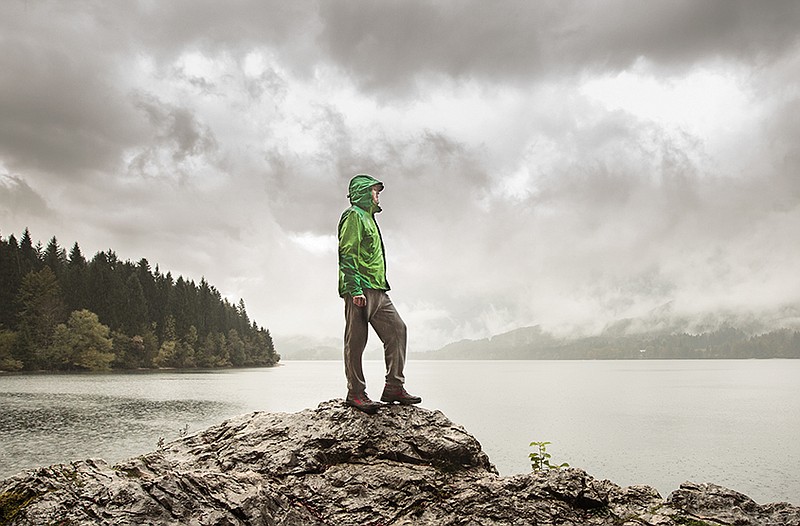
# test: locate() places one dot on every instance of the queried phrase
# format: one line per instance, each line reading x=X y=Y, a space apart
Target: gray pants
x=390 y=328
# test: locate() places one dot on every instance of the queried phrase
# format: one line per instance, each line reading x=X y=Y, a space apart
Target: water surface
x=732 y=422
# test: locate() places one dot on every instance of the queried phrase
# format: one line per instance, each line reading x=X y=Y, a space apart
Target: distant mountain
x=520 y=344
x=308 y=348
x=664 y=320
x=532 y=343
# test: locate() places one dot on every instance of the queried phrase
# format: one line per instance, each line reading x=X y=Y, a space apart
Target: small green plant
x=540 y=458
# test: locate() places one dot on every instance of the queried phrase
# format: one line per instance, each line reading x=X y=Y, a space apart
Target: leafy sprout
x=540 y=458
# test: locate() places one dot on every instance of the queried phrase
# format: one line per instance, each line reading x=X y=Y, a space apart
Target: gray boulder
x=336 y=466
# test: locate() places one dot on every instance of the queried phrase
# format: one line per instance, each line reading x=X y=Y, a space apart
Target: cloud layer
x=557 y=163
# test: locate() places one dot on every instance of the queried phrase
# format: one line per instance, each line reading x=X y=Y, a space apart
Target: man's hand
x=360 y=300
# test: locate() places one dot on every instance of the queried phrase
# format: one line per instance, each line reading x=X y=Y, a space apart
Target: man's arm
x=350 y=231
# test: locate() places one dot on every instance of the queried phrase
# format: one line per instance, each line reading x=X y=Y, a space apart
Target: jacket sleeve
x=350 y=233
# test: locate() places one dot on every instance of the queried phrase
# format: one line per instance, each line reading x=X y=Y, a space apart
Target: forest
x=60 y=311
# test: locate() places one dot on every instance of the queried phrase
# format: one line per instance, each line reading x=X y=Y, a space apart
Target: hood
x=359 y=192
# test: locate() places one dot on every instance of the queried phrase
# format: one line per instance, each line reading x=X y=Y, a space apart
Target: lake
x=732 y=422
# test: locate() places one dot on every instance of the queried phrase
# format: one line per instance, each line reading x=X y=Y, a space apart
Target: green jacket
x=362 y=264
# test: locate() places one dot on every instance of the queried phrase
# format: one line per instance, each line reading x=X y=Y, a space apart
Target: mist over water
x=660 y=423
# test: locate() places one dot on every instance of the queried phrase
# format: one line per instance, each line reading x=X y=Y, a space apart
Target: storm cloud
x=567 y=164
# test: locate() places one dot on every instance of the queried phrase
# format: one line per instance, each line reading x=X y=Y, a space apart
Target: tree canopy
x=60 y=311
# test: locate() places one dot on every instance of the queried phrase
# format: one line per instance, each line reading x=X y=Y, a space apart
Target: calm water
x=732 y=422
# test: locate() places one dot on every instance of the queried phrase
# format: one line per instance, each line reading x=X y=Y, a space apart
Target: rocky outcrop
x=336 y=466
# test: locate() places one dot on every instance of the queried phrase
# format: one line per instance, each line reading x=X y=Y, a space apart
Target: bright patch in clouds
x=254 y=64
x=701 y=102
x=315 y=244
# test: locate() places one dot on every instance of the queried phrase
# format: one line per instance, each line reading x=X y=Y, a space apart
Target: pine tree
x=74 y=281
x=236 y=348
x=55 y=257
x=28 y=258
x=135 y=318
x=243 y=323
x=150 y=290
x=42 y=308
x=106 y=289
x=10 y=279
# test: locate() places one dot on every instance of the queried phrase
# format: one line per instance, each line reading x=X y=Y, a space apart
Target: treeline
x=60 y=311
x=532 y=344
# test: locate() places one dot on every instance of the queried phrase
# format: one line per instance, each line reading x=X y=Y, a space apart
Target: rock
x=718 y=505
x=336 y=466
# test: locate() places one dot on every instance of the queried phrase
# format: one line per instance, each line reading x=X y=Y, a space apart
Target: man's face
x=376 y=190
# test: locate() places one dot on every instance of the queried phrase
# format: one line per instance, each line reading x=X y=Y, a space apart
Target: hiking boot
x=396 y=393
x=362 y=402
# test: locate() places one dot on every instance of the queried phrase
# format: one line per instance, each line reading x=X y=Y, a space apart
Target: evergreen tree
x=28 y=258
x=243 y=322
x=181 y=306
x=41 y=309
x=75 y=280
x=165 y=286
x=236 y=349
x=106 y=288
x=147 y=280
x=55 y=257
x=10 y=279
x=135 y=314
x=205 y=300
x=76 y=256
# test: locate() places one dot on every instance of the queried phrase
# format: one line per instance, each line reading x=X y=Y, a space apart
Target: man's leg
x=355 y=340
x=391 y=329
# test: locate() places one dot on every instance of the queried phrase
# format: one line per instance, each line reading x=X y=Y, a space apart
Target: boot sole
x=368 y=409
x=401 y=402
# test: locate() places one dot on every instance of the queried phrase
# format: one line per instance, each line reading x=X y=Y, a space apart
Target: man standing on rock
x=363 y=285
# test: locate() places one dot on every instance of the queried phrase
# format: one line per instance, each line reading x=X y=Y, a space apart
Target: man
x=363 y=285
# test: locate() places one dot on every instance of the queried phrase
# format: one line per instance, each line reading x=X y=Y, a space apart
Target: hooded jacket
x=362 y=263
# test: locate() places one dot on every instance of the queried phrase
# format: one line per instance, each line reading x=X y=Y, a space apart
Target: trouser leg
x=391 y=329
x=355 y=340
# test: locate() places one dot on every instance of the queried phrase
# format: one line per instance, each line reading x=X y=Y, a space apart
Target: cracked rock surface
x=334 y=465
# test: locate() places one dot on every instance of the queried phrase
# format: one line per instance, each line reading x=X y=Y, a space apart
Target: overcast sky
x=558 y=163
